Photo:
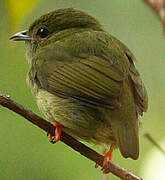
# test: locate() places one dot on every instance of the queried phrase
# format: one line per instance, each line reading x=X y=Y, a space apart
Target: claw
x=51 y=138
x=107 y=158
x=97 y=165
x=57 y=133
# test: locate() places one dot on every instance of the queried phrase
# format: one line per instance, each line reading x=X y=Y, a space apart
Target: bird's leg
x=108 y=157
x=57 y=132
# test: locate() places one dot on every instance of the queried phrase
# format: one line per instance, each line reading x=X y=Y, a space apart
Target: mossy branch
x=122 y=173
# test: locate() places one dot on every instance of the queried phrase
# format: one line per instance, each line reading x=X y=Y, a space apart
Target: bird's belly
x=79 y=121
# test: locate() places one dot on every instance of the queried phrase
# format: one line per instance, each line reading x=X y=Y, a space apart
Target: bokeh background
x=25 y=152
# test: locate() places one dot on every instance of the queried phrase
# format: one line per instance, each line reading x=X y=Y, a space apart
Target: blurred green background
x=25 y=151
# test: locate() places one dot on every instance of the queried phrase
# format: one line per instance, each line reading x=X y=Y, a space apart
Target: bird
x=85 y=81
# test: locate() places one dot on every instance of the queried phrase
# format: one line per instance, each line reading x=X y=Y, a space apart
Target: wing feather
x=140 y=93
x=91 y=79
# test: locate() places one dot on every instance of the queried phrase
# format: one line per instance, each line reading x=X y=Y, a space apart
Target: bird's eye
x=42 y=32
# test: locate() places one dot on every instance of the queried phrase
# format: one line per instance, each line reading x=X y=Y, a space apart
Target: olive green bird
x=84 y=80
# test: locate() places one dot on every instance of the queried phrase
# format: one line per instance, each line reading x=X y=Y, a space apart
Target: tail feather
x=128 y=140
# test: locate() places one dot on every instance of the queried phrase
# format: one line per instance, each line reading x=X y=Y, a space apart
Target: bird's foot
x=51 y=138
x=107 y=159
x=57 y=132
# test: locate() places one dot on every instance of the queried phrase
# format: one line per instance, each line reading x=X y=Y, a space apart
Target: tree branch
x=154 y=142
x=159 y=7
x=67 y=139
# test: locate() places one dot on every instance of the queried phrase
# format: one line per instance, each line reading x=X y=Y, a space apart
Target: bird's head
x=53 y=26
x=55 y=21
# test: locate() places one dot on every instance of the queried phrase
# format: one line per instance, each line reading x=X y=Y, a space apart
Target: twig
x=67 y=139
x=159 y=7
x=153 y=141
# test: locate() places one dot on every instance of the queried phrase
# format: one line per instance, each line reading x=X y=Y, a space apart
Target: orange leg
x=57 y=133
x=108 y=157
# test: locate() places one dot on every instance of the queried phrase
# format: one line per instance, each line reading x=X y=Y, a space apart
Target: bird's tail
x=128 y=140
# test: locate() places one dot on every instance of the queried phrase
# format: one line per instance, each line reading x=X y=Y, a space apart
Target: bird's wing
x=89 y=75
x=90 y=80
x=139 y=90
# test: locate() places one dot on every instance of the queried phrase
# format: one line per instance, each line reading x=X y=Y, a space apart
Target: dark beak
x=21 y=36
